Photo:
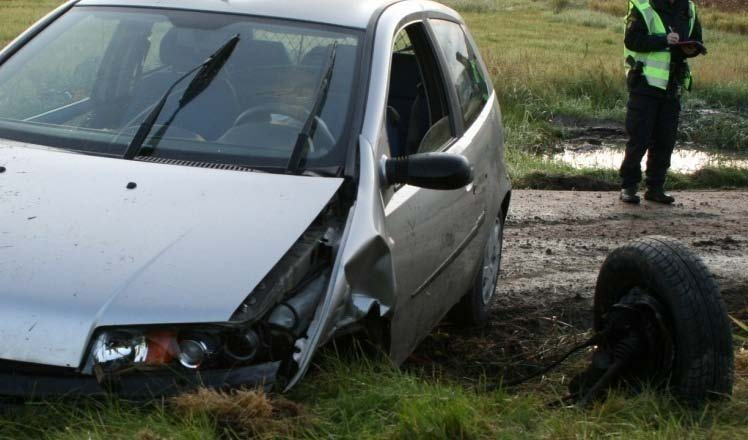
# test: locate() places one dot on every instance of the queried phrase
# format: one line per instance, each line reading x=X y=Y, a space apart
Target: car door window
x=418 y=118
x=464 y=68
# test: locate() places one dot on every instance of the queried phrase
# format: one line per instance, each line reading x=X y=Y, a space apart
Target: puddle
x=682 y=160
x=603 y=147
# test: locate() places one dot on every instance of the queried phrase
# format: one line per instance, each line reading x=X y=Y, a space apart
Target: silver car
x=206 y=192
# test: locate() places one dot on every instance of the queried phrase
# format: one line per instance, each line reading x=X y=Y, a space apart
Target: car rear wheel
x=658 y=283
x=472 y=310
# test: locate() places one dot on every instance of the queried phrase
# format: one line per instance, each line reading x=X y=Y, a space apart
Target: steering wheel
x=138 y=118
x=262 y=112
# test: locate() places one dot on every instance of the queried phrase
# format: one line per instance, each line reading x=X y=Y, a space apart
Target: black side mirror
x=429 y=170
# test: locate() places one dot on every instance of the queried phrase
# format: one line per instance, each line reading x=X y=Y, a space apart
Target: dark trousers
x=652 y=127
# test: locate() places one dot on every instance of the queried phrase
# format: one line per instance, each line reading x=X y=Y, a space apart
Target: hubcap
x=491 y=263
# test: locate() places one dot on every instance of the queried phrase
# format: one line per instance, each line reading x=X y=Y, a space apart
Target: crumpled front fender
x=363 y=275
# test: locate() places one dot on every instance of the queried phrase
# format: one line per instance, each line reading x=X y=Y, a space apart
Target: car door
x=480 y=136
x=471 y=92
x=432 y=232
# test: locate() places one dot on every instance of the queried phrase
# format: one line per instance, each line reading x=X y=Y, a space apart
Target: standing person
x=657 y=73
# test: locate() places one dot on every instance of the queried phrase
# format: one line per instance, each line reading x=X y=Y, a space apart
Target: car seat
x=211 y=113
x=335 y=110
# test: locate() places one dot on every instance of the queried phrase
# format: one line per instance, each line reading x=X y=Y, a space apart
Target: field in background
x=17 y=15
x=556 y=65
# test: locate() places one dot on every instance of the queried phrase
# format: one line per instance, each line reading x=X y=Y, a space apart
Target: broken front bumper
x=137 y=385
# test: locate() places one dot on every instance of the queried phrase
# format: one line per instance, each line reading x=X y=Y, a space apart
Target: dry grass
x=712 y=17
x=726 y=21
x=17 y=15
x=246 y=413
x=560 y=5
x=544 y=65
x=612 y=7
x=726 y=5
x=741 y=363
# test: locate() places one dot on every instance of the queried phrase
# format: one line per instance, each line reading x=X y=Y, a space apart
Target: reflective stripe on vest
x=692 y=17
x=656 y=65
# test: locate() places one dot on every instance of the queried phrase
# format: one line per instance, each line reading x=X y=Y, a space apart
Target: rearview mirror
x=429 y=170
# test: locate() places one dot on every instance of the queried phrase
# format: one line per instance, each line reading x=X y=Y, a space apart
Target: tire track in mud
x=554 y=244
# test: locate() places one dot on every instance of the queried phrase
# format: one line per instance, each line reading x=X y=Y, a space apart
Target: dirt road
x=555 y=242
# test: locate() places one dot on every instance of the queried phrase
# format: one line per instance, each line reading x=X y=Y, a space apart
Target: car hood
x=79 y=250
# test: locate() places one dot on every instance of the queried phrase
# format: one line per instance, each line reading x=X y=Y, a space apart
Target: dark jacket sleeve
x=695 y=36
x=637 y=36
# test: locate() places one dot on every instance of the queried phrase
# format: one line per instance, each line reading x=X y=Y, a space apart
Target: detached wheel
x=472 y=310
x=663 y=297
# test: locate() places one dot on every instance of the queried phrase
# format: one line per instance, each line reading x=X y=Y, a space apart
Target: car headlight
x=118 y=351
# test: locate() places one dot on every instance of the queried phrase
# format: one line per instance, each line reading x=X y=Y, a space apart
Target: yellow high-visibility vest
x=656 y=64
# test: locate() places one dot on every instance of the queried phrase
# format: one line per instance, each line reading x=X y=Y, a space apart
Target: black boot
x=658 y=195
x=628 y=195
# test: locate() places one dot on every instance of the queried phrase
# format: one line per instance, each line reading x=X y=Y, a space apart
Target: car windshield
x=88 y=81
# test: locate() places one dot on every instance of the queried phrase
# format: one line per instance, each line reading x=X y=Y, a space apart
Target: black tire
x=695 y=312
x=472 y=310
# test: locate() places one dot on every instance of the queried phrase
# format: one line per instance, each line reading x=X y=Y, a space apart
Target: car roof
x=348 y=13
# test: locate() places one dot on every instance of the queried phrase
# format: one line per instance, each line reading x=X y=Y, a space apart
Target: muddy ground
x=555 y=242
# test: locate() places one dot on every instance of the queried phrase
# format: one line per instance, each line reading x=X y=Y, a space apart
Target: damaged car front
x=173 y=199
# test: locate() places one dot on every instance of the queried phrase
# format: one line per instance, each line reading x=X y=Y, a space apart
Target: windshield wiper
x=208 y=71
x=301 y=148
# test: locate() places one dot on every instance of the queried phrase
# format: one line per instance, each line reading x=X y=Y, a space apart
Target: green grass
x=548 y=64
x=374 y=401
x=361 y=398
x=552 y=64
x=17 y=15
x=111 y=419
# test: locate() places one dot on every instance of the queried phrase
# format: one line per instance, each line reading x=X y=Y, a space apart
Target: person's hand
x=673 y=38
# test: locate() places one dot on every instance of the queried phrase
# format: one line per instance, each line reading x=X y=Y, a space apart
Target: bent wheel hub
x=491 y=263
x=635 y=346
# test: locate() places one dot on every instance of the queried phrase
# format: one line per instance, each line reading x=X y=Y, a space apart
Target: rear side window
x=464 y=69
